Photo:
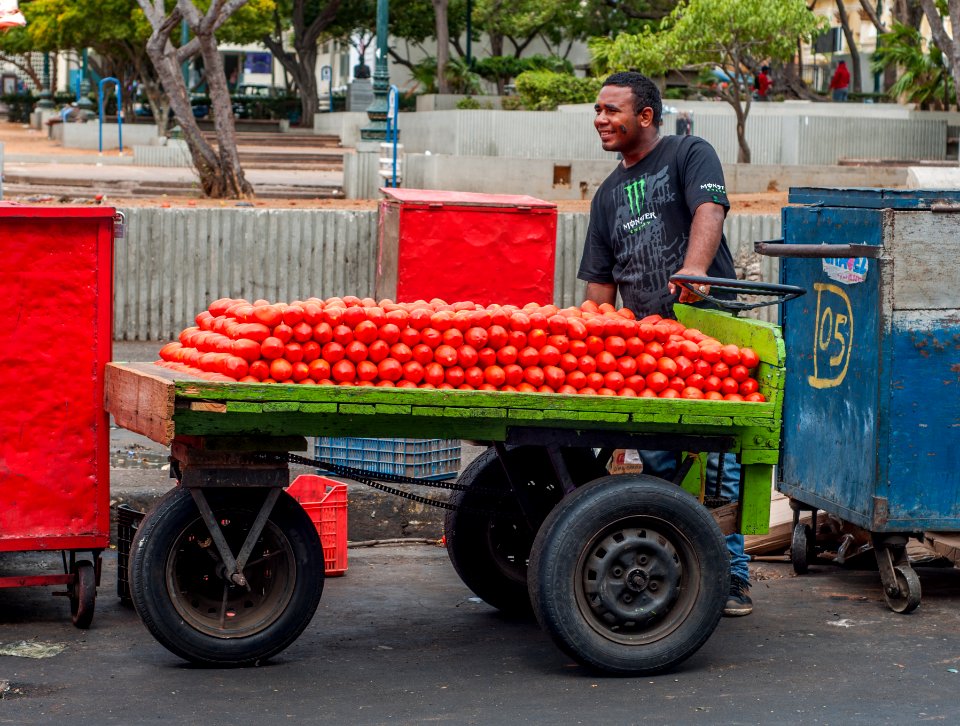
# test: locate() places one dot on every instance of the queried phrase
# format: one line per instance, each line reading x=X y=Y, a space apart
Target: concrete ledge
x=928 y=177
x=174 y=153
x=343 y=124
x=87 y=135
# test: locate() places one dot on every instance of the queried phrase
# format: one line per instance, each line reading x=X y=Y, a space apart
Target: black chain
x=374 y=479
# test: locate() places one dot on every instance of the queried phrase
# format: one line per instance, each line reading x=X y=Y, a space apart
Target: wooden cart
x=628 y=573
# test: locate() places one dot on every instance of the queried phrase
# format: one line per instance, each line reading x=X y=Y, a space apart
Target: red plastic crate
x=325 y=502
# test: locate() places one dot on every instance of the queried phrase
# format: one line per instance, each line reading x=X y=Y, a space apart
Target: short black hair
x=645 y=92
x=764 y=69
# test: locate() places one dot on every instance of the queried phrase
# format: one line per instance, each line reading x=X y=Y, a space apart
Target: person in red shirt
x=763 y=83
x=840 y=82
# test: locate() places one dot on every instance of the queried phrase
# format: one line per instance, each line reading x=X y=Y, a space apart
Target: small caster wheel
x=801 y=548
x=907 y=597
x=83 y=594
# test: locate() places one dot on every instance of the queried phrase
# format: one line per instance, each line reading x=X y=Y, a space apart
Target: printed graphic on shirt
x=644 y=253
x=718 y=191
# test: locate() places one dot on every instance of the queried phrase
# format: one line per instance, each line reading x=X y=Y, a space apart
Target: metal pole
x=119 y=111
x=469 y=32
x=46 y=97
x=378 y=110
x=185 y=66
x=394 y=103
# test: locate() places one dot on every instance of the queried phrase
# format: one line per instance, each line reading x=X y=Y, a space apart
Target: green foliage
x=461 y=78
x=19 y=106
x=506 y=67
x=924 y=75
x=470 y=104
x=511 y=103
x=544 y=90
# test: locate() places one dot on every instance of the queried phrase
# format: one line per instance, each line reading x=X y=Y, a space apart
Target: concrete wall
x=87 y=136
x=172 y=262
x=449 y=101
x=174 y=153
x=579 y=179
x=343 y=124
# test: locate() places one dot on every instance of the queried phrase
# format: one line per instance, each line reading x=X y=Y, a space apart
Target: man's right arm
x=602 y=292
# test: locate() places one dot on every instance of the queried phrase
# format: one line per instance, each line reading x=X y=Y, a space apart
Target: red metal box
x=486 y=248
x=56 y=268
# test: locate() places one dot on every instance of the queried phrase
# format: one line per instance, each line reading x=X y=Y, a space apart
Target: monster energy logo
x=636 y=192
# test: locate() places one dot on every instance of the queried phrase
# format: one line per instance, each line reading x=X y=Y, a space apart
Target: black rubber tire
x=909 y=592
x=490 y=553
x=178 y=592
x=801 y=548
x=82 y=593
x=629 y=536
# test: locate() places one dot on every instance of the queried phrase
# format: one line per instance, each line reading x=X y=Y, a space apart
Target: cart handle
x=780 y=293
x=776 y=248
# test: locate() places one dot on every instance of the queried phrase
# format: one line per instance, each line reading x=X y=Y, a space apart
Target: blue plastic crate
x=418 y=458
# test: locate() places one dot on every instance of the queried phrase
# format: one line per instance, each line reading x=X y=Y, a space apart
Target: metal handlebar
x=776 y=248
x=781 y=293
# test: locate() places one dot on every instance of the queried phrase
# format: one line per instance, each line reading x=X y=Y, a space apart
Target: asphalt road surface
x=399 y=640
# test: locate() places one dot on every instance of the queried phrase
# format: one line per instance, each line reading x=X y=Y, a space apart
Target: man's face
x=616 y=121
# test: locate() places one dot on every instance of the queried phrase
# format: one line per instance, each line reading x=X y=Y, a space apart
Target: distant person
x=840 y=83
x=763 y=84
x=684 y=126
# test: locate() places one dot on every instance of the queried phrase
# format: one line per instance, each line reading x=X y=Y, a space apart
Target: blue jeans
x=839 y=94
x=663 y=464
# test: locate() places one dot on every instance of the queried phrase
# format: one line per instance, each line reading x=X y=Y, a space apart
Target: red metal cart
x=56 y=267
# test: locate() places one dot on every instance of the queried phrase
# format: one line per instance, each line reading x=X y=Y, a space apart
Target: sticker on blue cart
x=848 y=270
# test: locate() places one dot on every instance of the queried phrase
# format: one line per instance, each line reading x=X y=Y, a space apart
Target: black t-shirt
x=640 y=223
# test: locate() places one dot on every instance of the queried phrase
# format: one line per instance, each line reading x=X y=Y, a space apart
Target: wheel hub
x=631 y=578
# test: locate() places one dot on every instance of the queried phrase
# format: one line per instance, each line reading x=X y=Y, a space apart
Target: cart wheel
x=801 y=548
x=490 y=552
x=180 y=590
x=907 y=597
x=629 y=575
x=82 y=593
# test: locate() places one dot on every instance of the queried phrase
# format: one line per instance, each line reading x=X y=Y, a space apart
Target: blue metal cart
x=871 y=428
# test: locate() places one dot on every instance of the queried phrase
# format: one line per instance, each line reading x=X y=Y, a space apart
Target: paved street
x=399 y=640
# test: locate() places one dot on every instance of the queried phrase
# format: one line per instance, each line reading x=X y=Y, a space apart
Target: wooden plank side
x=140 y=401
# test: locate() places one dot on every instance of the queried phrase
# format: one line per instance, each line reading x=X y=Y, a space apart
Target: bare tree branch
x=872 y=14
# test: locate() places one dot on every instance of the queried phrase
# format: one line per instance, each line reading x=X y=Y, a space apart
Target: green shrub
x=544 y=90
x=511 y=103
x=505 y=67
x=468 y=104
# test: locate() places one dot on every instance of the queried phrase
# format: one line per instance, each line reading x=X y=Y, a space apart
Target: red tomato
x=221 y=305
x=497 y=336
x=728 y=386
x=635 y=382
x=283 y=332
x=343 y=334
x=755 y=397
x=713 y=396
x=667 y=366
x=409 y=336
x=691 y=392
x=696 y=381
x=595 y=380
x=453 y=337
x=587 y=391
x=566 y=389
x=378 y=350
x=627 y=392
x=494 y=375
x=710 y=353
x=534 y=375
x=332 y=352
x=634 y=346
x=520 y=321
x=646 y=364
x=549 y=356
x=526 y=388
x=606 y=362
x=538 y=321
x=389 y=369
x=302 y=332
x=669 y=393
x=657 y=381
x=685 y=367
x=730 y=354
x=420 y=318
x=473 y=376
x=476 y=337
x=400 y=318
x=311 y=351
x=433 y=373
x=312 y=313
x=486 y=357
x=690 y=350
x=517 y=338
x=749 y=358
x=554 y=376
x=587 y=364
x=747 y=387
x=401 y=352
x=557 y=324
x=513 y=374
x=578 y=348
x=292 y=315
x=441 y=320
x=568 y=362
x=431 y=337
x=249 y=350
x=654 y=349
x=333 y=316
x=260 y=369
x=595 y=327
x=732 y=397
x=560 y=342
x=376 y=315
x=614 y=380
x=615 y=345
x=662 y=332
x=594 y=344
x=445 y=355
x=271 y=348
x=712 y=383
x=576 y=329
x=388 y=332
x=413 y=371
x=454 y=376
x=293 y=352
x=671 y=349
x=467 y=356
x=589 y=306
x=528 y=356
x=355 y=351
x=701 y=367
x=537 y=338
x=268 y=315
x=322 y=333
x=576 y=379
x=235 y=367
x=506 y=355
x=281 y=370
x=739 y=373
x=366 y=370
x=721 y=369
x=646 y=332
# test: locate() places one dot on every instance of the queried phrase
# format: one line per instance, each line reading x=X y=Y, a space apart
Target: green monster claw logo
x=636 y=192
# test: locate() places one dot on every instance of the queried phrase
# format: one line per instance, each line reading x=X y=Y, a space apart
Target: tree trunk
x=215 y=181
x=852 y=45
x=306 y=81
x=443 y=43
x=21 y=65
x=948 y=44
x=743 y=149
